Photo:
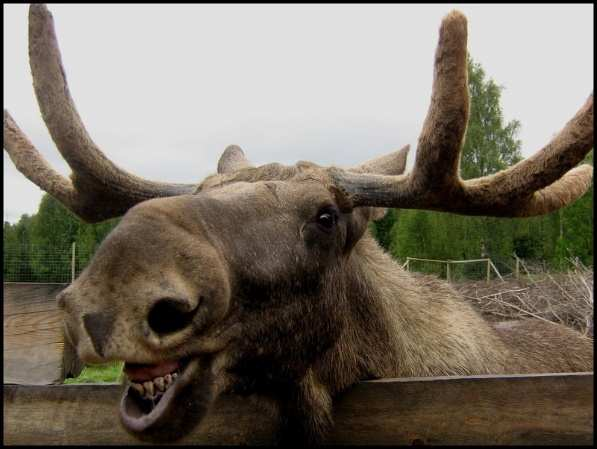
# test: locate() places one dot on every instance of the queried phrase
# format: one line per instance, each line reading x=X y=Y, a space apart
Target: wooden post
x=72 y=263
x=488 y=270
x=448 y=270
x=496 y=270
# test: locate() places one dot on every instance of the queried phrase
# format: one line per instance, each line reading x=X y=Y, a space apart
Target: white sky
x=163 y=89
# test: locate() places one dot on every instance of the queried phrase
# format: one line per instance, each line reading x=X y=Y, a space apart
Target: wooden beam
x=35 y=350
x=516 y=409
x=496 y=271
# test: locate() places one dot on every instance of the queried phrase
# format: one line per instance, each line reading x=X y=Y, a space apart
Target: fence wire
x=31 y=263
x=36 y=263
x=462 y=270
x=473 y=270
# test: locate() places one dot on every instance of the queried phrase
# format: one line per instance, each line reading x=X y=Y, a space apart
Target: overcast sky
x=164 y=89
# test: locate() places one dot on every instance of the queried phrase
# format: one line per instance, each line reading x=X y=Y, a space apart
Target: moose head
x=264 y=280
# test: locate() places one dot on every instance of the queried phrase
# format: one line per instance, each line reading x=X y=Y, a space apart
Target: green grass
x=109 y=372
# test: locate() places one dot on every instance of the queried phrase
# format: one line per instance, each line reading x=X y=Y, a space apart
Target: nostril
x=99 y=326
x=169 y=315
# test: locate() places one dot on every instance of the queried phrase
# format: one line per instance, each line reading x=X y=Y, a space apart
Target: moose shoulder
x=298 y=302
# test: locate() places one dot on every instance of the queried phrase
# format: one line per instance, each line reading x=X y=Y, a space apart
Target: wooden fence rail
x=516 y=409
x=490 y=265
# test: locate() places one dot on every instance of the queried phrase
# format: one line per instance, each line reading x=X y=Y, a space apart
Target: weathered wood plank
x=35 y=350
x=537 y=409
x=529 y=409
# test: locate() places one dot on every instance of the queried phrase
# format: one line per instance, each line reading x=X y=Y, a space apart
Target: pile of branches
x=565 y=298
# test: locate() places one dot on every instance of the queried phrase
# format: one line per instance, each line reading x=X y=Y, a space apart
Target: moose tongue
x=143 y=372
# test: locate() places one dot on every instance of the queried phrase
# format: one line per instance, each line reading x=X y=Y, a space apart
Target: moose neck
x=398 y=326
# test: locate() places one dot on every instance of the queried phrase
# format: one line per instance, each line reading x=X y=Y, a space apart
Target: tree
x=54 y=226
x=89 y=236
x=38 y=248
x=17 y=251
x=575 y=233
x=11 y=246
x=411 y=235
x=489 y=145
x=54 y=229
x=381 y=229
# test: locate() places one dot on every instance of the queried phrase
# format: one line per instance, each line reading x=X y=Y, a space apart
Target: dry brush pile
x=565 y=298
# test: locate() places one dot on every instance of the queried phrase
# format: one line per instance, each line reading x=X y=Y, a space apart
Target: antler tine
x=232 y=159
x=388 y=164
x=33 y=165
x=538 y=185
x=98 y=188
x=440 y=141
x=564 y=191
x=542 y=169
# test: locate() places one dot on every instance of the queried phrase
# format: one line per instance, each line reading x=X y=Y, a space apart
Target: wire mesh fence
x=37 y=263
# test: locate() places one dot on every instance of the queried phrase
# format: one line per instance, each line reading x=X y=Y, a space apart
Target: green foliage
x=38 y=248
x=381 y=229
x=489 y=146
x=527 y=246
x=17 y=263
x=411 y=234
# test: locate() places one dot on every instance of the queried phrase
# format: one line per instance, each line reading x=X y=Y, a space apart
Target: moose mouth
x=150 y=399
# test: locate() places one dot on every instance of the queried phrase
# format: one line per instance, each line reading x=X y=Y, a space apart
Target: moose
x=264 y=281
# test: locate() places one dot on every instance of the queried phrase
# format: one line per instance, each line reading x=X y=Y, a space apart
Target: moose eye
x=327 y=219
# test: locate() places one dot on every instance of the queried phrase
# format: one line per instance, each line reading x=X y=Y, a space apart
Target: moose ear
x=343 y=202
x=357 y=224
x=357 y=218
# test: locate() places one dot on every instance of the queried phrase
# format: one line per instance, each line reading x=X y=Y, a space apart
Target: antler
x=540 y=184
x=98 y=189
x=232 y=159
x=388 y=164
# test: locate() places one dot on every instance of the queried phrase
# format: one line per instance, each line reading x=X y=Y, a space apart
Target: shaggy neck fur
x=397 y=326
